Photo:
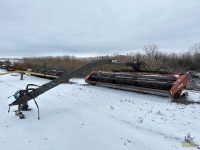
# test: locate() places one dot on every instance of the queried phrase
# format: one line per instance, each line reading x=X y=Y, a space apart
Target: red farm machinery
x=136 y=79
x=144 y=82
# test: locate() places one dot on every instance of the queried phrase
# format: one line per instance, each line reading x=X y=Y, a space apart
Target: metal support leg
x=21 y=78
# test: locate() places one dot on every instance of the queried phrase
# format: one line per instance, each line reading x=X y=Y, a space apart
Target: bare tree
x=195 y=52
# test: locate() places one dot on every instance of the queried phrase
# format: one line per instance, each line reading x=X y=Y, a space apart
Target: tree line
x=151 y=56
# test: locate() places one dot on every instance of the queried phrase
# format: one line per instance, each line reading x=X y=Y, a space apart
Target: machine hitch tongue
x=24 y=106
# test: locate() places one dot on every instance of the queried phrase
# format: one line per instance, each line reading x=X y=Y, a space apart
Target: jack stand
x=19 y=114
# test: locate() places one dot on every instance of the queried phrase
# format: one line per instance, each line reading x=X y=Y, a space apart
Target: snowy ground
x=78 y=116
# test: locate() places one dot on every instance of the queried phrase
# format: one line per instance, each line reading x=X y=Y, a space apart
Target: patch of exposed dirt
x=185 y=101
x=194 y=81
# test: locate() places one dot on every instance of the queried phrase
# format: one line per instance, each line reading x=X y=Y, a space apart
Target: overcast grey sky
x=96 y=27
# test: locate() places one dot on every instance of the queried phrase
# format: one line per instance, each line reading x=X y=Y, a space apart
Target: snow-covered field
x=78 y=116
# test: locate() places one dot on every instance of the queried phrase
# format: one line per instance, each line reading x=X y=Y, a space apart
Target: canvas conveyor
x=159 y=84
